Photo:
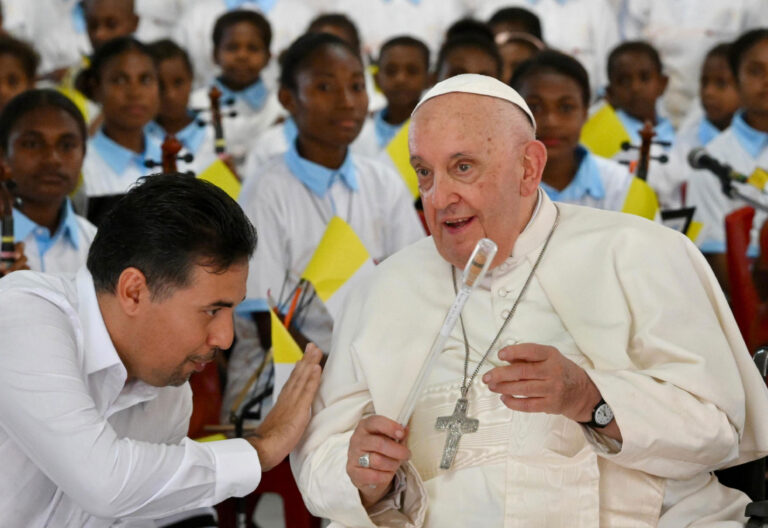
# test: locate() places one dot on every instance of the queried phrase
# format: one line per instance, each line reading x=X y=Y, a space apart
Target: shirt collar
x=752 y=140
x=663 y=127
x=318 y=178
x=100 y=352
x=23 y=226
x=254 y=95
x=384 y=131
x=585 y=182
x=290 y=131
x=262 y=5
x=707 y=131
x=120 y=158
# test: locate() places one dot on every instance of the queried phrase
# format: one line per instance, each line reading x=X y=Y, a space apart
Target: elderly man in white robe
x=598 y=356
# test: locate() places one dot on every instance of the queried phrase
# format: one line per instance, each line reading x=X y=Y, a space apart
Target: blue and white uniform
x=384 y=131
x=196 y=140
x=110 y=168
x=598 y=182
x=743 y=148
x=63 y=251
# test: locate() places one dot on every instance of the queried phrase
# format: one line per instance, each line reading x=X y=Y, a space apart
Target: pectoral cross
x=456 y=424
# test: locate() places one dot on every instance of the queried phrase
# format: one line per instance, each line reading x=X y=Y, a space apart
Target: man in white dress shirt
x=94 y=399
x=609 y=378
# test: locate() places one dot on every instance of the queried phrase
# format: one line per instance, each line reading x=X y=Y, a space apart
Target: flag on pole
x=285 y=353
x=641 y=200
x=219 y=174
x=398 y=152
x=603 y=133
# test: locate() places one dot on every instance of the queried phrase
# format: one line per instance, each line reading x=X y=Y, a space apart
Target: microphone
x=699 y=159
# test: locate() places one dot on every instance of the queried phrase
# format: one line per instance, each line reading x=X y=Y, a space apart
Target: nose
x=443 y=192
x=221 y=332
x=346 y=97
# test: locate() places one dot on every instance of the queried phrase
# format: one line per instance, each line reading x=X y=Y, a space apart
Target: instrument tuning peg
x=233 y=113
x=201 y=123
x=663 y=158
x=626 y=145
x=151 y=164
x=229 y=101
x=188 y=157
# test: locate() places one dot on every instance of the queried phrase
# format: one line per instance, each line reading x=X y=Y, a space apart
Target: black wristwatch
x=602 y=415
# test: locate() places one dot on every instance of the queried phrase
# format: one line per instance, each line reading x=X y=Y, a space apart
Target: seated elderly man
x=598 y=358
x=94 y=399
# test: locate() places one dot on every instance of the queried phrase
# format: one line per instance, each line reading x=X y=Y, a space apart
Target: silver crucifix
x=456 y=424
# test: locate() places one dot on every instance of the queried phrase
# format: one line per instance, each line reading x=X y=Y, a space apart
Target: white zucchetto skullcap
x=473 y=83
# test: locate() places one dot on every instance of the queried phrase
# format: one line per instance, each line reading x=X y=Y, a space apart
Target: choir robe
x=633 y=303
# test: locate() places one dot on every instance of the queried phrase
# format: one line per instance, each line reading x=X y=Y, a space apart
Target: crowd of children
x=307 y=104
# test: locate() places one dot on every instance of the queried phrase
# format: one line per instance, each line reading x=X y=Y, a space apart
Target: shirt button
x=503 y=292
x=505 y=314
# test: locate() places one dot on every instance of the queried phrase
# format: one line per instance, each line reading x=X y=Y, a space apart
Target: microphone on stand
x=699 y=159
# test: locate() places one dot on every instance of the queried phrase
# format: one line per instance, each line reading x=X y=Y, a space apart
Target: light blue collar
x=317 y=178
x=663 y=128
x=585 y=182
x=707 y=131
x=78 y=18
x=191 y=136
x=384 y=131
x=120 y=158
x=23 y=226
x=265 y=6
x=752 y=140
x=255 y=95
x=290 y=130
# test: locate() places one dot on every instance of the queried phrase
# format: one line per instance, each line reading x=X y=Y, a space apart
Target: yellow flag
x=284 y=348
x=693 y=230
x=401 y=157
x=211 y=438
x=219 y=174
x=641 y=200
x=603 y=133
x=758 y=178
x=338 y=256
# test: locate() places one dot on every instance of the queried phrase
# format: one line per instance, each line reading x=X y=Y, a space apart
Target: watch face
x=603 y=415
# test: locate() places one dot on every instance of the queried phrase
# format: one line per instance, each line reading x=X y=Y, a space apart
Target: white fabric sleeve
x=676 y=392
x=47 y=411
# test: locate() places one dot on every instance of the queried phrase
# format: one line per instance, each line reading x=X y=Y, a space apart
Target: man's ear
x=287 y=99
x=134 y=23
x=534 y=159
x=131 y=291
x=664 y=81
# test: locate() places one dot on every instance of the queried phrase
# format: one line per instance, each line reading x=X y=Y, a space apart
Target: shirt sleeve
x=48 y=412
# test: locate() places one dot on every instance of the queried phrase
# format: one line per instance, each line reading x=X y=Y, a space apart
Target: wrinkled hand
x=19 y=263
x=550 y=382
x=381 y=437
x=282 y=428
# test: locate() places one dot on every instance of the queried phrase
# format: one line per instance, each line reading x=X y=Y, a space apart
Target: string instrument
x=170 y=148
x=640 y=168
x=7 y=242
x=219 y=143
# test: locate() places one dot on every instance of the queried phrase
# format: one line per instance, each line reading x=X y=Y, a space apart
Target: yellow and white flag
x=603 y=133
x=398 y=152
x=340 y=261
x=219 y=174
x=285 y=353
x=641 y=200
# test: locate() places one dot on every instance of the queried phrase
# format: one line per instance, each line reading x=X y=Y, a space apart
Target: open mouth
x=457 y=224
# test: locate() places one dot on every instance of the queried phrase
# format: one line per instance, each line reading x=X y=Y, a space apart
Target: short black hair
x=30 y=100
x=470 y=41
x=23 y=52
x=339 y=20
x=634 y=46
x=469 y=26
x=742 y=45
x=163 y=226
x=230 y=18
x=520 y=16
x=302 y=50
x=166 y=49
x=411 y=42
x=550 y=60
x=89 y=77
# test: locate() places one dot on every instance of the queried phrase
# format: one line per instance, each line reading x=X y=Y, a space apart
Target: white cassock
x=633 y=303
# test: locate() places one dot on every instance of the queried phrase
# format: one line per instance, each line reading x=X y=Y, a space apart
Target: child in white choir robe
x=109 y=19
x=468 y=53
x=297 y=194
x=719 y=101
x=403 y=74
x=288 y=19
x=556 y=88
x=241 y=41
x=174 y=116
x=517 y=32
x=42 y=137
x=123 y=79
x=743 y=146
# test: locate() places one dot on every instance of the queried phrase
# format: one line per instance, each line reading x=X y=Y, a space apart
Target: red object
x=206 y=400
x=744 y=299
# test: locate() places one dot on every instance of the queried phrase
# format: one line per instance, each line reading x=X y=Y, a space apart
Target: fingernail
x=487 y=378
x=400 y=433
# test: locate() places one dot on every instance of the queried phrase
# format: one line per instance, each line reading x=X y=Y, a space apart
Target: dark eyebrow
x=222 y=304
